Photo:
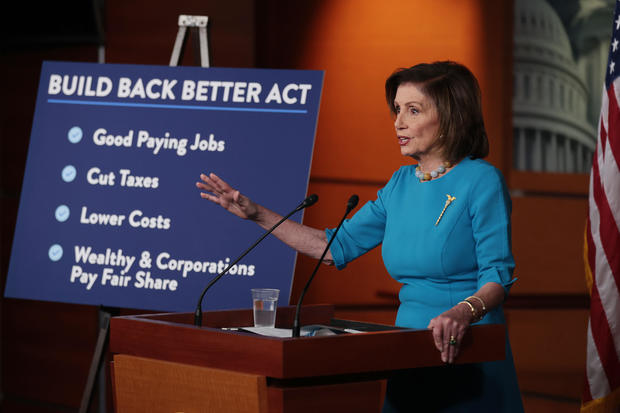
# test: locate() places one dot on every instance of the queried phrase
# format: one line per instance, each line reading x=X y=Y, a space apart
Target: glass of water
x=265 y=303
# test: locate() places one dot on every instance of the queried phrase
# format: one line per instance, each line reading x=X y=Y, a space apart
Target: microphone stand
x=350 y=205
x=311 y=200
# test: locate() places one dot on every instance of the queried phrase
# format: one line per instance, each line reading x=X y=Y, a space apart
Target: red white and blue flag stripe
x=602 y=247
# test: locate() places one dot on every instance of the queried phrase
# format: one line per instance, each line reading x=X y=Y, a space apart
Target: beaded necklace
x=427 y=176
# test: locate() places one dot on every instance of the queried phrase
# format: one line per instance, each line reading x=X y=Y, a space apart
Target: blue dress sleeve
x=490 y=210
x=364 y=231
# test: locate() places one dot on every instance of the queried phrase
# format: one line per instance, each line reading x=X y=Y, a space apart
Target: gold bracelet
x=473 y=310
x=484 y=307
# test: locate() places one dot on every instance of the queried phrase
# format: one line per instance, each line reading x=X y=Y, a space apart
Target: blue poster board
x=109 y=212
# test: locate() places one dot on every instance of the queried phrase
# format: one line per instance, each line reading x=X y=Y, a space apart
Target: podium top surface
x=173 y=337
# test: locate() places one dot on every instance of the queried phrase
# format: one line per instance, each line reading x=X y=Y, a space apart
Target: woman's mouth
x=403 y=140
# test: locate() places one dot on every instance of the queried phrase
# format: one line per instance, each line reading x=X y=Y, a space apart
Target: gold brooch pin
x=448 y=202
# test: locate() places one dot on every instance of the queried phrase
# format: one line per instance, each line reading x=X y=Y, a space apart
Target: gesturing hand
x=226 y=196
x=448 y=331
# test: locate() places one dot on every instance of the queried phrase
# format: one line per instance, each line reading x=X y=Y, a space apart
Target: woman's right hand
x=227 y=197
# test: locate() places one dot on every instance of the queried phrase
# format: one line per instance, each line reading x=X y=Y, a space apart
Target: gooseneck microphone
x=311 y=200
x=352 y=203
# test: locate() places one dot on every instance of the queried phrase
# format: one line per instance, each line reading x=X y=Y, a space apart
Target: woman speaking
x=444 y=227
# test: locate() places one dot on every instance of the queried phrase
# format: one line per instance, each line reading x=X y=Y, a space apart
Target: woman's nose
x=398 y=124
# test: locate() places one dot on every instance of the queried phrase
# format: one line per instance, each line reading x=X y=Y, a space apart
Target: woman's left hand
x=448 y=331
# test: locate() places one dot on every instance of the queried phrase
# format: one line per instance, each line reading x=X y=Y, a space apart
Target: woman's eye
x=414 y=110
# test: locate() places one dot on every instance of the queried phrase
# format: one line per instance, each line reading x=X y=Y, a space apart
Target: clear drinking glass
x=265 y=303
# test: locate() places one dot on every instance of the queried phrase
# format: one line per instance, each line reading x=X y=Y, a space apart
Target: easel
x=198 y=27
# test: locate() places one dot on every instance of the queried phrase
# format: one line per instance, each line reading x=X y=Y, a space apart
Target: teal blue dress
x=439 y=263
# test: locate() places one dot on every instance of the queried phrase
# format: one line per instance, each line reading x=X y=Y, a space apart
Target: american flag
x=602 y=247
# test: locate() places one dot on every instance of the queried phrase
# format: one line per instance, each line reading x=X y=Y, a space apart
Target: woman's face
x=416 y=123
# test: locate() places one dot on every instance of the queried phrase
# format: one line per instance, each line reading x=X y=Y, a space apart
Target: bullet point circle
x=68 y=173
x=62 y=213
x=55 y=252
x=75 y=134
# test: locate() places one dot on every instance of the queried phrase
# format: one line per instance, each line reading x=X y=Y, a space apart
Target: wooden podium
x=163 y=362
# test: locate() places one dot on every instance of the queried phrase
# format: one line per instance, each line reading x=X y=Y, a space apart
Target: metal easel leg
x=204 y=47
x=179 y=45
x=97 y=367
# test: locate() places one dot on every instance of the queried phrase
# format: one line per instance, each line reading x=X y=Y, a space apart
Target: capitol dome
x=551 y=129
